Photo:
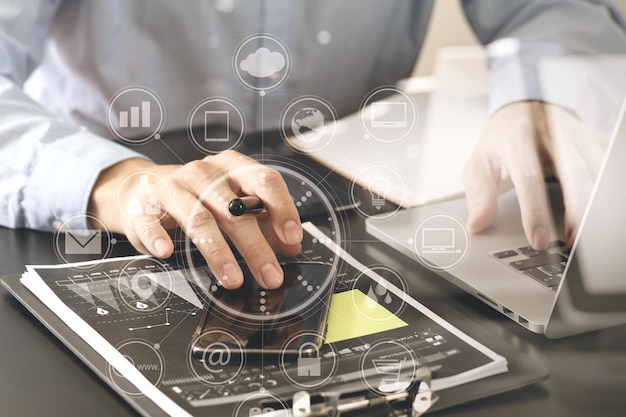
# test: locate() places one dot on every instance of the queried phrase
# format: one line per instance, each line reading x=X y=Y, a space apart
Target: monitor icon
x=388 y=114
x=438 y=240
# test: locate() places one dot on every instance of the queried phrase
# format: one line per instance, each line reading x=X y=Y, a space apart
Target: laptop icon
x=388 y=114
x=559 y=291
x=437 y=240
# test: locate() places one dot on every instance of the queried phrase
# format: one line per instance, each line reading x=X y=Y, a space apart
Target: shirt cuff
x=514 y=73
x=60 y=185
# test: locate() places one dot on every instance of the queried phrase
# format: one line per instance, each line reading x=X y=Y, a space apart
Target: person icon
x=144 y=187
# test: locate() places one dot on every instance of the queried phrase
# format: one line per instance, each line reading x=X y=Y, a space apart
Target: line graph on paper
x=143 y=294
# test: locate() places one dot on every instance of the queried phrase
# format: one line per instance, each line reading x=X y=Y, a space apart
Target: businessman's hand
x=520 y=141
x=232 y=312
x=144 y=200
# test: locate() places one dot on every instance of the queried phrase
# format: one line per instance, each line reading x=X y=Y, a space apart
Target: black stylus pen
x=245 y=205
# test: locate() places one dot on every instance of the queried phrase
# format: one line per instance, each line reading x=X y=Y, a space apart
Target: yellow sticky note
x=353 y=314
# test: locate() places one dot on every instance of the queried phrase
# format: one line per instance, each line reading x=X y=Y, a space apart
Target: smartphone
x=262 y=320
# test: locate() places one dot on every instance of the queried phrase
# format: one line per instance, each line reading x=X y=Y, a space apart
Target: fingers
x=509 y=148
x=255 y=236
x=202 y=228
x=578 y=157
x=481 y=189
x=199 y=225
x=527 y=177
x=526 y=147
x=153 y=238
x=196 y=196
x=203 y=218
x=245 y=233
x=252 y=178
x=269 y=231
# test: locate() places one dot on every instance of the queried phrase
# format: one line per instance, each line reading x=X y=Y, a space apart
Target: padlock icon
x=309 y=366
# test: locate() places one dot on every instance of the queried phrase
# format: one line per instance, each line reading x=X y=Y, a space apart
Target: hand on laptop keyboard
x=520 y=141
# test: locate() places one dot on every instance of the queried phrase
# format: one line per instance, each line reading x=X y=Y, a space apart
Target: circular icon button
x=135 y=115
x=144 y=357
x=388 y=115
x=441 y=242
x=80 y=244
x=144 y=285
x=215 y=125
x=378 y=300
x=312 y=365
x=144 y=197
x=261 y=63
x=377 y=184
x=216 y=356
x=256 y=405
x=308 y=124
x=388 y=366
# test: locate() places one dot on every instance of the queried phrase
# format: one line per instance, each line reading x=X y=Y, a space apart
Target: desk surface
x=39 y=376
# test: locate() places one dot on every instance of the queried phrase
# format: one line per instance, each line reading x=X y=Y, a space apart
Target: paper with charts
x=141 y=314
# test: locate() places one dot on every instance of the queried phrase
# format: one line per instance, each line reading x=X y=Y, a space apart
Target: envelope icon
x=83 y=242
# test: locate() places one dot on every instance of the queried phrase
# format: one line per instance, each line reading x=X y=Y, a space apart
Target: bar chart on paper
x=139 y=116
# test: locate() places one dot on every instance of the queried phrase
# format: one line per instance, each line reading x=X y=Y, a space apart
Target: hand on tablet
x=144 y=200
x=520 y=142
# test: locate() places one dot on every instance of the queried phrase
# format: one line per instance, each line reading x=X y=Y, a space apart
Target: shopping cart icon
x=391 y=370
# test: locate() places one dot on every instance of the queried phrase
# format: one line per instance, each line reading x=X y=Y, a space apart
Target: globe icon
x=308 y=119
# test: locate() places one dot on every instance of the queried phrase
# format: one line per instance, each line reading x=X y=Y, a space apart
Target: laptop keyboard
x=545 y=266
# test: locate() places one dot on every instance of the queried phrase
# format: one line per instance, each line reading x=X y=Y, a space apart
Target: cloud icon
x=263 y=63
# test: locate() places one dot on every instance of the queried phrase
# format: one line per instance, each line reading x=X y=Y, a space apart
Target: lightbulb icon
x=378 y=188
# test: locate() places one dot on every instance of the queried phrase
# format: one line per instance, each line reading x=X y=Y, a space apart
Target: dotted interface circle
x=250 y=406
x=195 y=271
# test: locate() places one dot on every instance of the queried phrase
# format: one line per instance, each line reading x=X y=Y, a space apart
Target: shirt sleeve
x=48 y=166
x=520 y=33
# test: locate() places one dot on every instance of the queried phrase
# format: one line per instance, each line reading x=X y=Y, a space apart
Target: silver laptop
x=396 y=144
x=559 y=291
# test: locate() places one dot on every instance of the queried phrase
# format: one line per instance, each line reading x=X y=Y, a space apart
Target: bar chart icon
x=139 y=116
x=135 y=115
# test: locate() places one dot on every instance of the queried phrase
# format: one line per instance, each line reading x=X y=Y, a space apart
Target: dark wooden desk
x=40 y=377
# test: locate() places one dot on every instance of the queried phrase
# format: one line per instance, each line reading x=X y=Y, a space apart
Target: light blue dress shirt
x=82 y=52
